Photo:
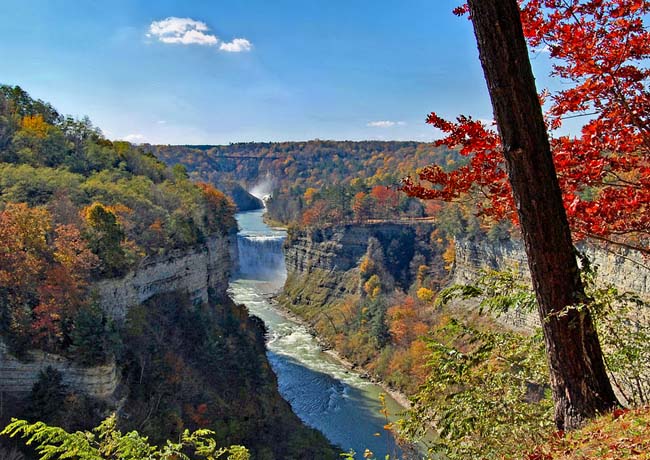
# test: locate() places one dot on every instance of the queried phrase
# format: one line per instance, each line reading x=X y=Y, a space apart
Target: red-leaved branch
x=600 y=50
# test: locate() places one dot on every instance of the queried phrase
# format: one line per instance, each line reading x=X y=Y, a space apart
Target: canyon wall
x=623 y=268
x=18 y=377
x=322 y=266
x=200 y=271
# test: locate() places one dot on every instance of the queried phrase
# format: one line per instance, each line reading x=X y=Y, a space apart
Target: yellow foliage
x=366 y=266
x=422 y=273
x=449 y=256
x=308 y=196
x=425 y=294
x=34 y=124
x=372 y=287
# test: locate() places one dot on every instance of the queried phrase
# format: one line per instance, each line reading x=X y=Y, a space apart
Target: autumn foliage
x=43 y=276
x=599 y=51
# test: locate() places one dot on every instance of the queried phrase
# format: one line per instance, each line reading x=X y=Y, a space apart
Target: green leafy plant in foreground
x=487 y=392
x=107 y=442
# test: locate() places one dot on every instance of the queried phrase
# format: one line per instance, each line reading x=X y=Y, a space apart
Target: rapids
x=321 y=391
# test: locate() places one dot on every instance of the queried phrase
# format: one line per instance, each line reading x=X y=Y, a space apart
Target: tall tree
x=579 y=381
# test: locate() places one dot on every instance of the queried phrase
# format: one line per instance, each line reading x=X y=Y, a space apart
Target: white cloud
x=187 y=31
x=134 y=138
x=385 y=124
x=162 y=122
x=236 y=46
x=184 y=31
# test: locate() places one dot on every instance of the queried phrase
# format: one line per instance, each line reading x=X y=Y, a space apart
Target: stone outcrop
x=322 y=264
x=625 y=269
x=198 y=271
x=18 y=377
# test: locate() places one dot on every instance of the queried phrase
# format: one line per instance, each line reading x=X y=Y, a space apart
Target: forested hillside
x=78 y=210
x=326 y=180
x=75 y=207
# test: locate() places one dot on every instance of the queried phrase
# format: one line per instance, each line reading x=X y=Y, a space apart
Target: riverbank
x=401 y=398
x=325 y=391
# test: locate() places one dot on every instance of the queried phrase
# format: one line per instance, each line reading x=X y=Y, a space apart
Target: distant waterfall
x=261 y=257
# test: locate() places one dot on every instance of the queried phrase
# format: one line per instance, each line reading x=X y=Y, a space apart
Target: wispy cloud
x=134 y=138
x=236 y=46
x=385 y=124
x=187 y=31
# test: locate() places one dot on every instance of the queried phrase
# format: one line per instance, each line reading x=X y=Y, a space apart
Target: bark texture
x=581 y=388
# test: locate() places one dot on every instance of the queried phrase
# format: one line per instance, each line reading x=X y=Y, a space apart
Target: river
x=321 y=391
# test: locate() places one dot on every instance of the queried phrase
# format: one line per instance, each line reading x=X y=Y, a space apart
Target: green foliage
x=624 y=335
x=44 y=156
x=197 y=366
x=470 y=392
x=107 y=442
x=105 y=236
x=500 y=291
x=47 y=395
x=94 y=338
x=486 y=393
x=35 y=186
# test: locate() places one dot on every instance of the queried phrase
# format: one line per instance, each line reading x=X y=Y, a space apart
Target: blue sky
x=247 y=70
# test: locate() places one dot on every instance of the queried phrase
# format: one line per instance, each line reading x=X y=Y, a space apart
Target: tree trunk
x=581 y=388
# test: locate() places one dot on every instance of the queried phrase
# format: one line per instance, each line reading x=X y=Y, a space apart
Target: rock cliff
x=623 y=268
x=17 y=377
x=200 y=271
x=322 y=264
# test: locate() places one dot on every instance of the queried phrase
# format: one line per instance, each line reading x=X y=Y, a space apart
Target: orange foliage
x=72 y=252
x=361 y=205
x=42 y=284
x=404 y=323
x=220 y=209
x=314 y=215
x=309 y=194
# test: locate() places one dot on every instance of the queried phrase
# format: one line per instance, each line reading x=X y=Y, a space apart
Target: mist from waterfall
x=263 y=188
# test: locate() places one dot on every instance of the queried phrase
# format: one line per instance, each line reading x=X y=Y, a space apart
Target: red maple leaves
x=600 y=50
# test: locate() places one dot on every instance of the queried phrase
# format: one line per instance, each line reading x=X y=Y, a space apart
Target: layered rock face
x=199 y=271
x=625 y=269
x=322 y=264
x=18 y=377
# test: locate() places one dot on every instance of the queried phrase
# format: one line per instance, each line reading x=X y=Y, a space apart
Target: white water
x=321 y=391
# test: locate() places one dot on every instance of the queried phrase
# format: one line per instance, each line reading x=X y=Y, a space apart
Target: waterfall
x=261 y=257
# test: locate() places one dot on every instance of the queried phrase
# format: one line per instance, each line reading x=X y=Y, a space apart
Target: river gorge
x=321 y=390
